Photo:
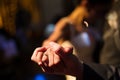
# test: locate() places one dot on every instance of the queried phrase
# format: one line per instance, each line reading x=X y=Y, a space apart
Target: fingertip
x=44 y=58
x=39 y=63
x=68 y=50
x=50 y=65
x=32 y=58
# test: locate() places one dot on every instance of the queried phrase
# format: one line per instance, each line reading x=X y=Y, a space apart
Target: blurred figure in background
x=110 y=53
x=71 y=29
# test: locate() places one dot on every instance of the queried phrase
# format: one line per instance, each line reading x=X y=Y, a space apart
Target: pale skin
x=55 y=59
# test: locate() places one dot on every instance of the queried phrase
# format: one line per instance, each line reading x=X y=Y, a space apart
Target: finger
x=65 y=55
x=39 y=58
x=61 y=51
x=36 y=52
x=68 y=50
x=47 y=69
x=40 y=49
x=58 y=64
x=45 y=57
x=56 y=58
x=50 y=57
x=54 y=62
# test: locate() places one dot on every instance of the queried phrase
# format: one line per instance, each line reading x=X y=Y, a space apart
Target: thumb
x=68 y=50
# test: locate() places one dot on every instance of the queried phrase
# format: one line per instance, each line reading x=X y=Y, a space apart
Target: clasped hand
x=56 y=59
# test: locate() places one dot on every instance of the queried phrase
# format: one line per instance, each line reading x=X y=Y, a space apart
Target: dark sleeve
x=101 y=72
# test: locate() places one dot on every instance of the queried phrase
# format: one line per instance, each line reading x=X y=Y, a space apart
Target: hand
x=56 y=59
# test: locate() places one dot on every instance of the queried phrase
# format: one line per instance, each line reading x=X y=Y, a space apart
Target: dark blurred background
x=24 y=24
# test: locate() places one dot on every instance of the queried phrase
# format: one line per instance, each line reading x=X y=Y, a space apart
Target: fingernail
x=39 y=63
